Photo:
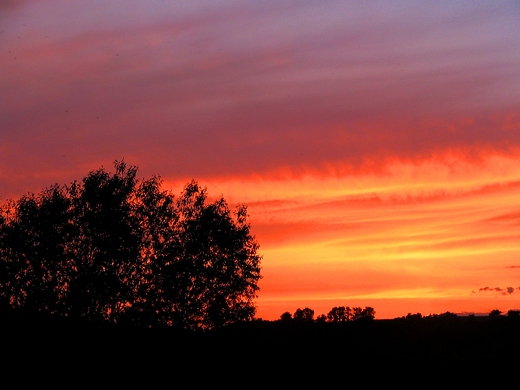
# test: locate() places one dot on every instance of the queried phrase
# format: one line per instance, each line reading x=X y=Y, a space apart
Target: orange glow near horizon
x=417 y=237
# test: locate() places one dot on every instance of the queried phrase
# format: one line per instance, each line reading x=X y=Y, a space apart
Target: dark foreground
x=57 y=345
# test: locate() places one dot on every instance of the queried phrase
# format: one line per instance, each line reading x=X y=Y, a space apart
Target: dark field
x=38 y=339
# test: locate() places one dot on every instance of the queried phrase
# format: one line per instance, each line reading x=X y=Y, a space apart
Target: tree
x=305 y=315
x=119 y=249
x=321 y=319
x=35 y=248
x=107 y=244
x=345 y=314
x=286 y=316
x=339 y=314
x=494 y=313
x=368 y=313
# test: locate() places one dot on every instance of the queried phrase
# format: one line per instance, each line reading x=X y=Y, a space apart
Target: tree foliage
x=345 y=314
x=119 y=249
x=286 y=316
x=336 y=314
x=340 y=314
x=304 y=315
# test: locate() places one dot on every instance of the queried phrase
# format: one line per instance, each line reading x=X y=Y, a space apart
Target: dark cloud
x=503 y=291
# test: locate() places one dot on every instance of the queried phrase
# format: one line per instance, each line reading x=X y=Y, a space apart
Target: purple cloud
x=239 y=88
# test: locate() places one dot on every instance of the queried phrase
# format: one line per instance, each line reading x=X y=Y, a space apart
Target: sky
x=376 y=144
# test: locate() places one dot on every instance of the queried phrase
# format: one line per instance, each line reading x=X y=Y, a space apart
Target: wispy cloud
x=503 y=291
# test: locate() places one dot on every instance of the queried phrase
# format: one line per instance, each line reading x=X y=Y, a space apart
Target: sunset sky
x=376 y=144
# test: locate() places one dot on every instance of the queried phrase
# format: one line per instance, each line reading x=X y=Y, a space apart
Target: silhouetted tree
x=494 y=313
x=119 y=249
x=368 y=313
x=513 y=313
x=322 y=318
x=107 y=244
x=339 y=314
x=35 y=247
x=285 y=317
x=305 y=315
x=357 y=313
x=447 y=314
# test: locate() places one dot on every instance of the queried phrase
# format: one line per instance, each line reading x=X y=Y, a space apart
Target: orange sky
x=426 y=237
x=376 y=146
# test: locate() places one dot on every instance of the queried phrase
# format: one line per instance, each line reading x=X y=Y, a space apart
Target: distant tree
x=494 y=313
x=447 y=314
x=368 y=313
x=322 y=318
x=305 y=315
x=286 y=316
x=513 y=313
x=357 y=313
x=411 y=316
x=119 y=249
x=339 y=314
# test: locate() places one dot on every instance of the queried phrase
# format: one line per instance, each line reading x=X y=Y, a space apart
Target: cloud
x=9 y=5
x=503 y=291
x=219 y=93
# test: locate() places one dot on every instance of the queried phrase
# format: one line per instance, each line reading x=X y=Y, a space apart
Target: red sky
x=377 y=146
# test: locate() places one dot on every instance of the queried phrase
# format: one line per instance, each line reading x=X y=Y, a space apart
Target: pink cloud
x=236 y=89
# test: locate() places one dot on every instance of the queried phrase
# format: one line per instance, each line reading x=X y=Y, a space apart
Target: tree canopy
x=116 y=248
x=336 y=314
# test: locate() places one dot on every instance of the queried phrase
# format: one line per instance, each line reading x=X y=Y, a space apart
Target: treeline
x=122 y=250
x=336 y=314
x=448 y=314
